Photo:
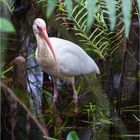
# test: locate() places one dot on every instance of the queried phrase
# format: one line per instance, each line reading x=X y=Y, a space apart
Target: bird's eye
x=37 y=27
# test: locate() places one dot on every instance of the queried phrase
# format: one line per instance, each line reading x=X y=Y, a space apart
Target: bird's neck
x=41 y=42
x=43 y=52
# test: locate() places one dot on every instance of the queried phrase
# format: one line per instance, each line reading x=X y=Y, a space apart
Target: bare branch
x=12 y=94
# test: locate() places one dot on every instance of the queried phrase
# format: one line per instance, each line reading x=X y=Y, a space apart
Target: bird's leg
x=55 y=91
x=75 y=94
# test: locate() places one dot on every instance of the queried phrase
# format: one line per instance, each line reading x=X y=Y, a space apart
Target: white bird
x=61 y=58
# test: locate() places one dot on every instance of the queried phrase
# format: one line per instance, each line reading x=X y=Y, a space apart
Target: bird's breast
x=45 y=59
x=47 y=63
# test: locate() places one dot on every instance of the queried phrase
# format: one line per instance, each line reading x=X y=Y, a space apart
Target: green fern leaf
x=112 y=13
x=79 y=13
x=98 y=35
x=138 y=2
x=91 y=9
x=69 y=6
x=127 y=8
x=50 y=7
x=100 y=39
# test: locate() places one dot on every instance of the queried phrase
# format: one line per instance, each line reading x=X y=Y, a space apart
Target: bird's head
x=39 y=28
x=38 y=25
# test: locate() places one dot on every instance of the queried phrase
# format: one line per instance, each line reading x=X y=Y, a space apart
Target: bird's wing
x=72 y=59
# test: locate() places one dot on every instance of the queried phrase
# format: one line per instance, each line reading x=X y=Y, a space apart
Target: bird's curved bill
x=44 y=35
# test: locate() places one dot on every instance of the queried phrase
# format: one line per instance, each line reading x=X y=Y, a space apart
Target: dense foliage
x=108 y=105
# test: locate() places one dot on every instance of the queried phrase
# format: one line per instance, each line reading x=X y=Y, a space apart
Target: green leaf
x=127 y=8
x=105 y=121
x=138 y=3
x=51 y=6
x=72 y=136
x=112 y=13
x=136 y=118
x=135 y=136
x=6 y=25
x=69 y=6
x=91 y=9
x=79 y=1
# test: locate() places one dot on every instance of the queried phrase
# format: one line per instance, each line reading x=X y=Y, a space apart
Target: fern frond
x=100 y=39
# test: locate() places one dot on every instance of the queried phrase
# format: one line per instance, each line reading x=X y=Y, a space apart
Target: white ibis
x=61 y=58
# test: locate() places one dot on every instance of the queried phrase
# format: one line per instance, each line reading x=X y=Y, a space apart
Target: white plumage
x=61 y=58
x=72 y=59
